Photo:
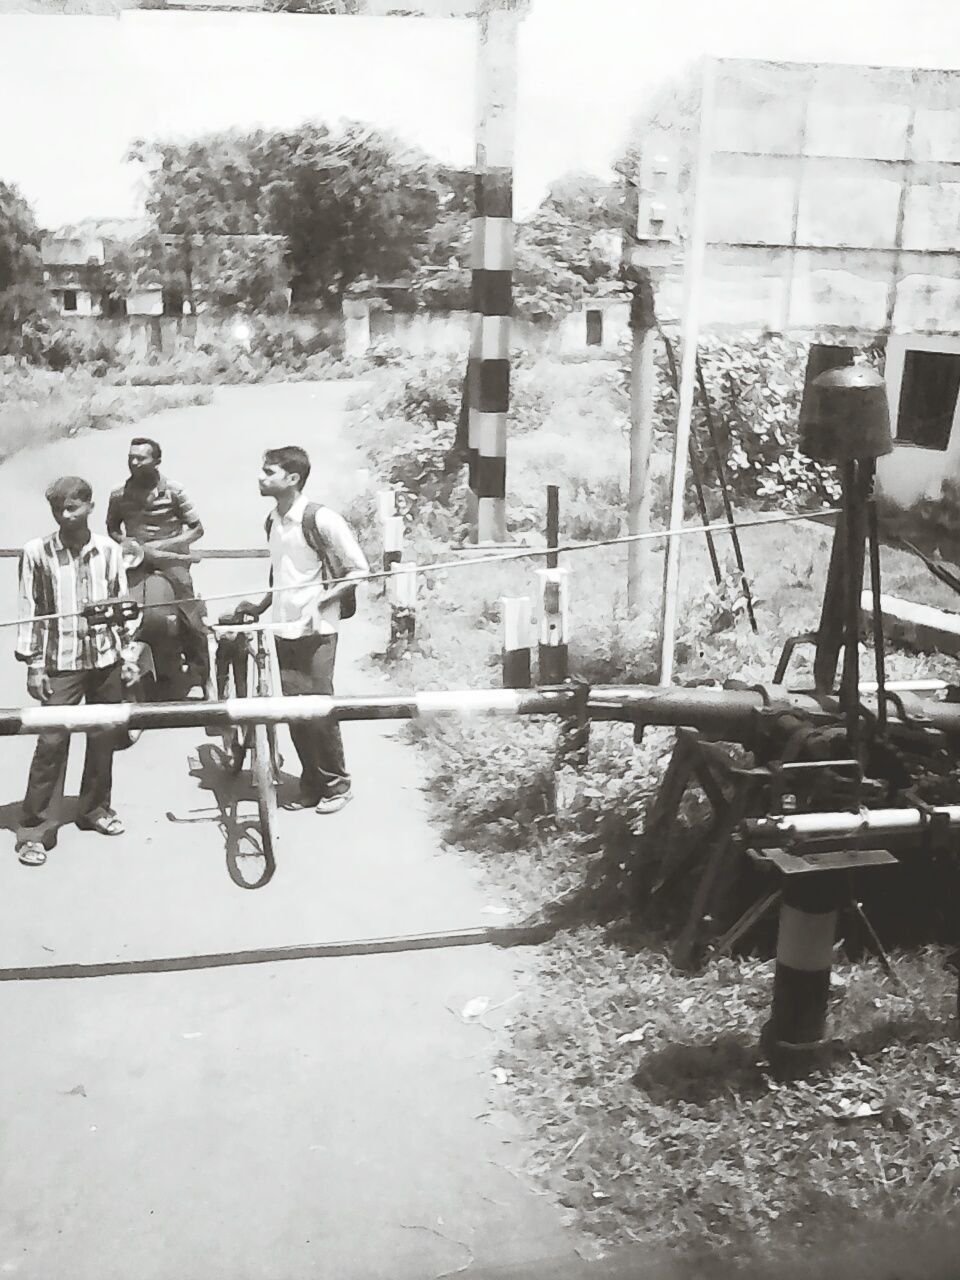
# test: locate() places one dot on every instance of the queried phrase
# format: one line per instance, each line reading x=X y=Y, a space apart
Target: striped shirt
x=150 y=515
x=300 y=574
x=55 y=579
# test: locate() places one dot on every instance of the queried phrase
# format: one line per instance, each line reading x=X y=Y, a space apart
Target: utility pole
x=643 y=328
x=488 y=377
x=693 y=273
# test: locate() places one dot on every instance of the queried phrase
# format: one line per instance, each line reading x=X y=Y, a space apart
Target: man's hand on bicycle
x=245 y=611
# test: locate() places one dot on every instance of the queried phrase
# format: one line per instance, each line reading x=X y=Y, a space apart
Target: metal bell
x=845 y=416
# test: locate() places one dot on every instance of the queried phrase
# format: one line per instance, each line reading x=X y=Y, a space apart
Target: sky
x=75 y=91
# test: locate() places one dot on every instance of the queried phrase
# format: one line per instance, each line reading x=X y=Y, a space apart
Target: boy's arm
x=114 y=518
x=31 y=634
x=29 y=603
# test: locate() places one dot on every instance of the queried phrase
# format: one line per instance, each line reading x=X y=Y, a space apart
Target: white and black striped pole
x=403 y=603
x=797 y=1030
x=515 y=615
x=488 y=376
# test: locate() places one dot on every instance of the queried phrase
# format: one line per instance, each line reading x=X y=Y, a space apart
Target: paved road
x=313 y=1118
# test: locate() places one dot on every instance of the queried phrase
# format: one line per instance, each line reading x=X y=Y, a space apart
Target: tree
x=21 y=274
x=350 y=204
x=566 y=249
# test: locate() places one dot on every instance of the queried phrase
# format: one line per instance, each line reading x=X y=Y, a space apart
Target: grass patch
x=38 y=406
x=657 y=1120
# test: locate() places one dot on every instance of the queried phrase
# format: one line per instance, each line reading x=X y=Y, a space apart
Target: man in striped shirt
x=68 y=661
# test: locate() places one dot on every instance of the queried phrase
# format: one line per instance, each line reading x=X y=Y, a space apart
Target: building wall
x=832 y=199
x=448 y=333
x=144 y=330
x=572 y=334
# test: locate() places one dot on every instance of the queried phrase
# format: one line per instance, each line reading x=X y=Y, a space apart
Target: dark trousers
x=69 y=689
x=167 y=595
x=306 y=666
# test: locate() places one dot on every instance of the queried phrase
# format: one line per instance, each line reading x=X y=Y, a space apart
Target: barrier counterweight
x=801 y=984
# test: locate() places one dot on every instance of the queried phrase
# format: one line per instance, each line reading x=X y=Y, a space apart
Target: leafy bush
x=755 y=386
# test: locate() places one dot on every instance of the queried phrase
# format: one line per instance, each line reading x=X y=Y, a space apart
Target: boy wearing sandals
x=69 y=662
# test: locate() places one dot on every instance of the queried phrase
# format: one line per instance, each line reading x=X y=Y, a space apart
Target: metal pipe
x=854 y=530
x=725 y=495
x=553 y=525
x=281 y=710
x=696 y=469
x=775 y=830
x=728 y=713
x=897 y=686
x=873 y=535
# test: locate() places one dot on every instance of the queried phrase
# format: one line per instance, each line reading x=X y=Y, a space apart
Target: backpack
x=314 y=540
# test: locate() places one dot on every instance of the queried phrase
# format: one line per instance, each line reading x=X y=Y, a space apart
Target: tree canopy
x=357 y=208
x=21 y=273
x=350 y=203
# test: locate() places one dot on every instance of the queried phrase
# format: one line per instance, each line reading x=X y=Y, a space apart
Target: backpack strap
x=314 y=539
x=311 y=535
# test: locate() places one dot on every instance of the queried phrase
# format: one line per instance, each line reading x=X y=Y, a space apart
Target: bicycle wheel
x=264 y=782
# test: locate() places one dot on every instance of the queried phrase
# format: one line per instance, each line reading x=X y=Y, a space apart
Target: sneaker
x=333 y=804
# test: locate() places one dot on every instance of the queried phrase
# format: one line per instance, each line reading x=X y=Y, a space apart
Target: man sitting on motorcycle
x=156 y=523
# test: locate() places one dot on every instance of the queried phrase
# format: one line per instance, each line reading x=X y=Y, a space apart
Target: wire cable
x=499 y=557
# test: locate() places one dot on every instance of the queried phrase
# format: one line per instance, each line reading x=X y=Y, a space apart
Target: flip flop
x=32 y=854
x=107 y=824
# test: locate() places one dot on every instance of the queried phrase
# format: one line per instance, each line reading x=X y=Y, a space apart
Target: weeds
x=656 y=1120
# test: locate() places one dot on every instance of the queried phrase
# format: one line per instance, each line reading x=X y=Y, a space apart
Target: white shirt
x=298 y=572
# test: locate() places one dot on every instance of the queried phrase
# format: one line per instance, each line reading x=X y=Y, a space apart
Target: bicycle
x=244 y=657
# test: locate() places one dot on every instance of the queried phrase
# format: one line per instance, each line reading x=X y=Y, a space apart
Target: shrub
x=755 y=386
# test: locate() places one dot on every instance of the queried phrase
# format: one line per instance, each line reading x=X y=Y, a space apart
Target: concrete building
x=832 y=213
x=91 y=270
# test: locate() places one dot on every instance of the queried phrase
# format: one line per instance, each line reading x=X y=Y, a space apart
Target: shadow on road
x=249 y=864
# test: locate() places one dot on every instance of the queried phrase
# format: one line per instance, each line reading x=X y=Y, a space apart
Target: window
x=112 y=307
x=594 y=328
x=172 y=302
x=69 y=299
x=928 y=398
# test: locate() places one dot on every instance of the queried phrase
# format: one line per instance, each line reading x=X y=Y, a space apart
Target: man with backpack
x=310 y=546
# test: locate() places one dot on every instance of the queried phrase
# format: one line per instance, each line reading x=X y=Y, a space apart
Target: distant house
x=91 y=270
x=77 y=264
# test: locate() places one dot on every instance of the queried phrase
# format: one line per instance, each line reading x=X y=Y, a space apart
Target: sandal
x=32 y=854
x=107 y=824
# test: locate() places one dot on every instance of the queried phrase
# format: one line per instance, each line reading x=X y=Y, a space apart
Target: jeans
x=69 y=689
x=306 y=666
